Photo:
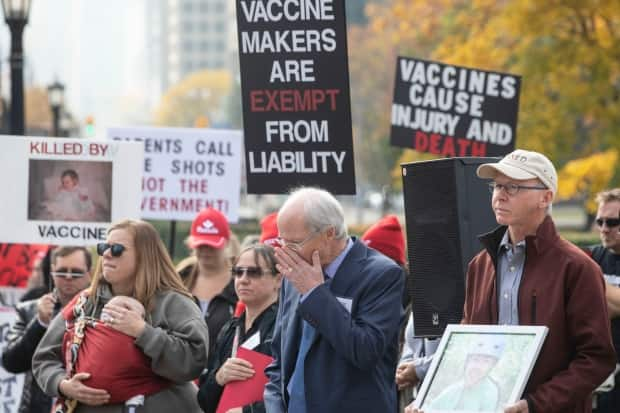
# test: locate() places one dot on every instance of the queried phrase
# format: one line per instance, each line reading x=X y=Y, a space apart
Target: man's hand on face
x=302 y=275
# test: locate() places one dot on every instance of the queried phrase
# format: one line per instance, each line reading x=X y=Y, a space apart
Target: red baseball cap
x=386 y=236
x=269 y=229
x=210 y=227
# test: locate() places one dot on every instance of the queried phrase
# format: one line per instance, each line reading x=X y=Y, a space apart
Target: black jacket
x=221 y=308
x=22 y=341
x=210 y=392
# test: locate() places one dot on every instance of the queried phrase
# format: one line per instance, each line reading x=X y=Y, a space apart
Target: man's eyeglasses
x=511 y=188
x=610 y=222
x=297 y=245
x=115 y=249
x=68 y=273
x=251 y=272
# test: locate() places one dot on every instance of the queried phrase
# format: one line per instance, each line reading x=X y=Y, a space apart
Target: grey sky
x=96 y=48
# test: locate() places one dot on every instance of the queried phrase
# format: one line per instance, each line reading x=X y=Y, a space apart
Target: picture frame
x=480 y=368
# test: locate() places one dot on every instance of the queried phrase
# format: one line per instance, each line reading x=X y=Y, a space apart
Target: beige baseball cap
x=521 y=165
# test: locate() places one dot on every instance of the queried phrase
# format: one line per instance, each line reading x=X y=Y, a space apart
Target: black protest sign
x=296 y=99
x=452 y=110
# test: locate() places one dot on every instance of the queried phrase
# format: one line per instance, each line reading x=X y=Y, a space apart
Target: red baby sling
x=111 y=357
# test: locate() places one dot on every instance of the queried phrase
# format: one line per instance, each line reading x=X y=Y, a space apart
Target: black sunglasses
x=252 y=272
x=611 y=222
x=115 y=249
x=68 y=273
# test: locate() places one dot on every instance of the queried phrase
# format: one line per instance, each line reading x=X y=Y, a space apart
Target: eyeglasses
x=251 y=272
x=68 y=273
x=512 y=189
x=296 y=245
x=610 y=222
x=115 y=249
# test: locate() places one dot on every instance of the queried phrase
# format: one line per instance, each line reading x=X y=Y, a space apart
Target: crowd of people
x=331 y=310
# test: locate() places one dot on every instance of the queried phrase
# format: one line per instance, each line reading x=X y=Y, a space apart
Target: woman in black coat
x=257 y=283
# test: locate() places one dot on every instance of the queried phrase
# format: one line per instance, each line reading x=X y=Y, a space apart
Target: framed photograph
x=480 y=368
x=69 y=190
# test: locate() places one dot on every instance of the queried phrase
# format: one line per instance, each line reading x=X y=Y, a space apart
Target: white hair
x=321 y=210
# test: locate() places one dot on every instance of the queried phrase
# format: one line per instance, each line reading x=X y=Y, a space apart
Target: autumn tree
x=201 y=94
x=567 y=52
x=373 y=49
x=585 y=177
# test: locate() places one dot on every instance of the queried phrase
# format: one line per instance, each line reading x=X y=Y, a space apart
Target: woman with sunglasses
x=257 y=283
x=172 y=335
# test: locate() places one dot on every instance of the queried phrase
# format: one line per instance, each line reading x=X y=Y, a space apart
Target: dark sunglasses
x=611 y=222
x=68 y=273
x=115 y=249
x=252 y=272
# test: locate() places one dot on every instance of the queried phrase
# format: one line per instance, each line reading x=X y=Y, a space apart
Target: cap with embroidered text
x=210 y=227
x=522 y=165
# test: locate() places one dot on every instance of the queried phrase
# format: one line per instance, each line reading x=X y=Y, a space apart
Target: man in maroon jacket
x=528 y=275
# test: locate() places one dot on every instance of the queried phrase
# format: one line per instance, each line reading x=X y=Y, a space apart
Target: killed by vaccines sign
x=452 y=110
x=66 y=191
x=296 y=101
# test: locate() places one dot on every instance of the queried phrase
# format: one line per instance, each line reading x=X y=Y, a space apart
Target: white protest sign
x=186 y=170
x=67 y=191
x=11 y=385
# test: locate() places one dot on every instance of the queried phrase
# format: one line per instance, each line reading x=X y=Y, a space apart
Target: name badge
x=347 y=303
x=252 y=342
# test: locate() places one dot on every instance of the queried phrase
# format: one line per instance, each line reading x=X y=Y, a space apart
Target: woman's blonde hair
x=154 y=268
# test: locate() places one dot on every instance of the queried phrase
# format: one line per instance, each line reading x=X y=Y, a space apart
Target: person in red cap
x=269 y=230
x=386 y=236
x=209 y=280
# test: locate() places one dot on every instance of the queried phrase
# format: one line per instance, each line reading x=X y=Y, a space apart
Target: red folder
x=242 y=393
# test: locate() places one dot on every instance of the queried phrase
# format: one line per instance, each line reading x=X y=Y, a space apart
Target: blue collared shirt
x=510 y=262
x=331 y=269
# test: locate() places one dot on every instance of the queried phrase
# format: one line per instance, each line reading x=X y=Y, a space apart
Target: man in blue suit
x=335 y=342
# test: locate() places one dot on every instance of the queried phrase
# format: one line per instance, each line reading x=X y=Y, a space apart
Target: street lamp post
x=56 y=96
x=16 y=16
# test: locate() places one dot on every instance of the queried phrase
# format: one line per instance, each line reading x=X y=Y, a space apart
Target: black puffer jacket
x=22 y=340
x=210 y=391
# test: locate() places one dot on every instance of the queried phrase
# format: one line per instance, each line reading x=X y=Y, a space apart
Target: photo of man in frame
x=475 y=391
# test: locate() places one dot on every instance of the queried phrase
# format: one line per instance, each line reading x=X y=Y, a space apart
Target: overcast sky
x=96 y=48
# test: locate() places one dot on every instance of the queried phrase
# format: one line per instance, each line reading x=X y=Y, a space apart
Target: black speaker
x=446 y=207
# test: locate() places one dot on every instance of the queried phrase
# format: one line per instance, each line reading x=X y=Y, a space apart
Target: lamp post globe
x=16 y=16
x=56 y=97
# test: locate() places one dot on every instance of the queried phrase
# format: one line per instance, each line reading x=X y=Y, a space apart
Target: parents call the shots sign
x=453 y=111
x=296 y=99
x=67 y=191
x=187 y=170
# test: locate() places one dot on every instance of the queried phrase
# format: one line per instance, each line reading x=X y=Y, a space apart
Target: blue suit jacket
x=351 y=363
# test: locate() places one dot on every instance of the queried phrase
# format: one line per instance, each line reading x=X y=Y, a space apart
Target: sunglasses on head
x=68 y=273
x=115 y=249
x=610 y=222
x=252 y=272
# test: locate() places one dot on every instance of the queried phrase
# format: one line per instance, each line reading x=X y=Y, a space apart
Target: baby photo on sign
x=60 y=190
